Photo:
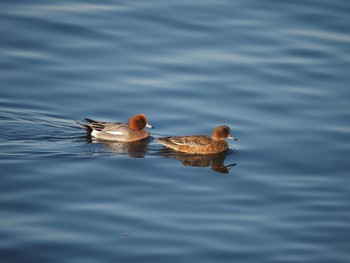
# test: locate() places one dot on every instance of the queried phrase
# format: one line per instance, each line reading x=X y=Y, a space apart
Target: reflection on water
x=140 y=149
x=136 y=149
x=215 y=161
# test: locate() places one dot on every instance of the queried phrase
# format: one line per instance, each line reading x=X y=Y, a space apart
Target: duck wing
x=114 y=128
x=189 y=141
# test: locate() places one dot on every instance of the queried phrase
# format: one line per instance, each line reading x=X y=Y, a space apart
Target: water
x=277 y=73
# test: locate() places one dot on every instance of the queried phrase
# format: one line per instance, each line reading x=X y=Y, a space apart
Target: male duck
x=115 y=131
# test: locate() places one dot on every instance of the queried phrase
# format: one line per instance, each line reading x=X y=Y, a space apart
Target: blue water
x=276 y=72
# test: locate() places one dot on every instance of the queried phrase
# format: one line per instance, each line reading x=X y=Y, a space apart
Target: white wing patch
x=177 y=141
x=95 y=133
x=115 y=132
x=191 y=142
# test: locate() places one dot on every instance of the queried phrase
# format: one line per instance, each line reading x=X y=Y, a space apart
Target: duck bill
x=231 y=137
x=149 y=126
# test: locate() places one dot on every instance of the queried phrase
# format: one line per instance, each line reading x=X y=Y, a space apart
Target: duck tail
x=90 y=120
x=165 y=141
x=85 y=127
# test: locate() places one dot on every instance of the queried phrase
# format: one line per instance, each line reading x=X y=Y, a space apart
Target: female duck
x=200 y=144
x=115 y=131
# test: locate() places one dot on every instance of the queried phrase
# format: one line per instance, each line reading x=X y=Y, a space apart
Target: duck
x=200 y=144
x=117 y=131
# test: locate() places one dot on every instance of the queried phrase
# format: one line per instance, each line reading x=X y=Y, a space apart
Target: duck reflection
x=137 y=149
x=216 y=161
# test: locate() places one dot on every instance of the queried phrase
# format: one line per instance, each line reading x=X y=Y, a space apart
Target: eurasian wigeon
x=200 y=144
x=115 y=131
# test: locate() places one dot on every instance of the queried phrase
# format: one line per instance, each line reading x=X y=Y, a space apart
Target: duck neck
x=217 y=139
x=133 y=125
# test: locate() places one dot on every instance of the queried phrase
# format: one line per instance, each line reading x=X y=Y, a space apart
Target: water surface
x=277 y=73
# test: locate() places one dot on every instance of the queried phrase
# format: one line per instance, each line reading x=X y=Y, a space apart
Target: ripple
x=275 y=72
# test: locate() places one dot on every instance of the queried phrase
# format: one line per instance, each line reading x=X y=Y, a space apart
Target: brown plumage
x=200 y=144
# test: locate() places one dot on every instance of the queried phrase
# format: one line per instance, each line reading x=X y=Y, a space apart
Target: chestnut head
x=138 y=122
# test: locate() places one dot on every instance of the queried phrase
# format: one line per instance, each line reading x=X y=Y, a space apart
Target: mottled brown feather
x=199 y=144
